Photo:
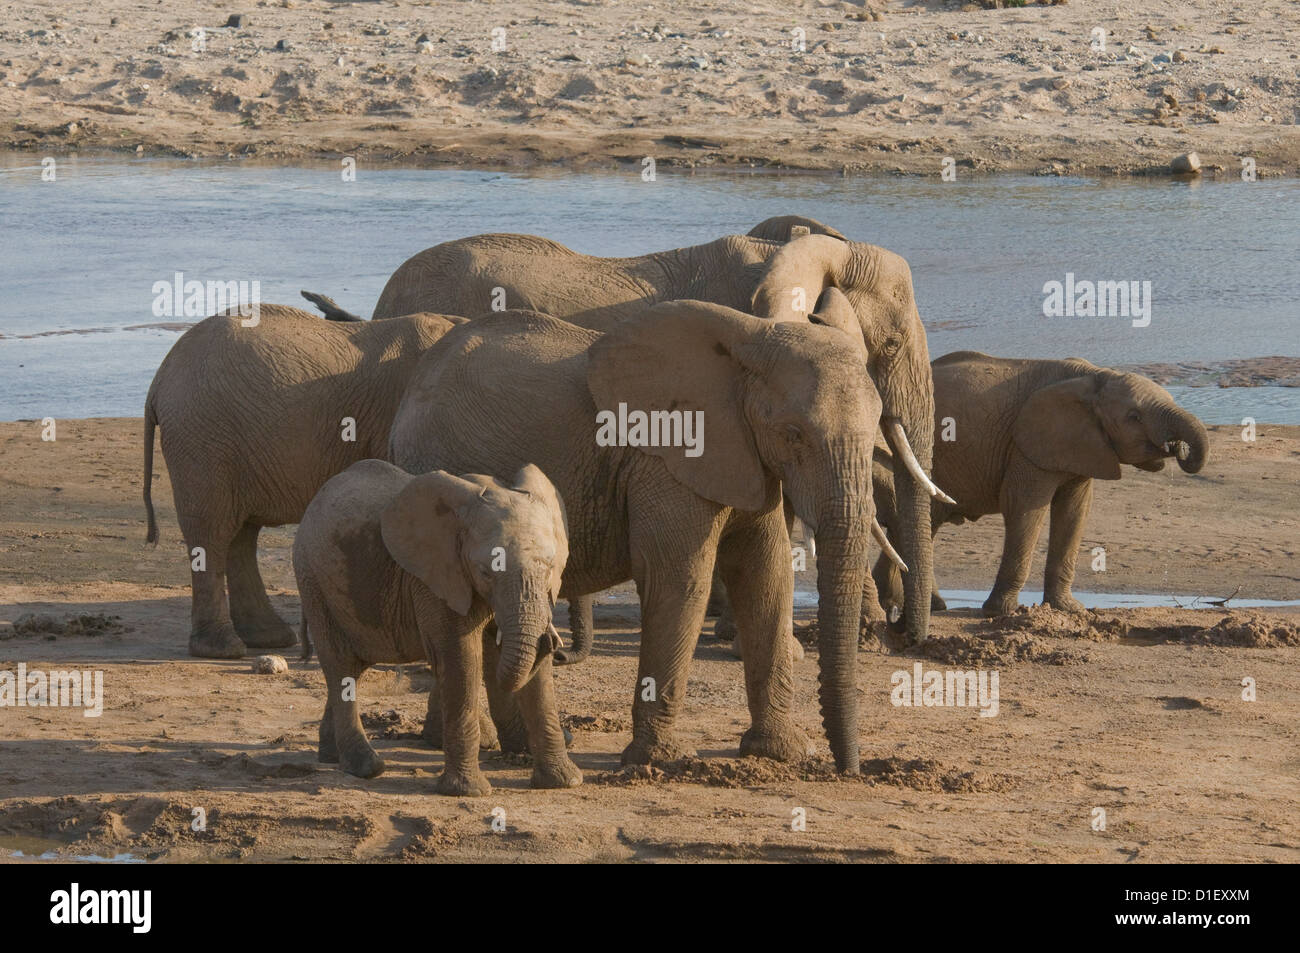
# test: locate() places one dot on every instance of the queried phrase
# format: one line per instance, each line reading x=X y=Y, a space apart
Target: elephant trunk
x=1178 y=426
x=841 y=538
x=523 y=630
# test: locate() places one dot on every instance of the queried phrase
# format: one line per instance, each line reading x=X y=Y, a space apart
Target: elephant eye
x=793 y=435
x=1134 y=416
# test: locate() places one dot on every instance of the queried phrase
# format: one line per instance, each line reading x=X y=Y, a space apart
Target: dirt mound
x=605 y=721
x=998 y=649
x=33 y=625
x=1044 y=620
x=390 y=723
x=1251 y=631
x=920 y=775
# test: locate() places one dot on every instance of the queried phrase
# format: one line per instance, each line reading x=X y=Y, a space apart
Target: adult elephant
x=776 y=406
x=1026 y=438
x=766 y=278
x=254 y=420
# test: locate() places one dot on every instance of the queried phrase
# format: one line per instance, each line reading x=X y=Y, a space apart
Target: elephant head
x=878 y=287
x=779 y=400
x=506 y=543
x=1090 y=424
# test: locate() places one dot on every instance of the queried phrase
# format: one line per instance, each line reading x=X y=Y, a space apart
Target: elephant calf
x=395 y=568
x=1027 y=437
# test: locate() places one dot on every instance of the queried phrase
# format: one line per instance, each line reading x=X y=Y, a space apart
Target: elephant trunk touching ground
x=840 y=515
x=841 y=566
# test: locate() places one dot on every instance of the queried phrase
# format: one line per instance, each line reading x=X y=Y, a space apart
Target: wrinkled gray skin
x=786 y=405
x=395 y=568
x=745 y=273
x=252 y=426
x=1030 y=437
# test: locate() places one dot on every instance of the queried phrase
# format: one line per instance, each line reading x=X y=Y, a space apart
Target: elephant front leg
x=755 y=564
x=250 y=609
x=537 y=709
x=460 y=668
x=1070 y=508
x=1020 y=536
x=432 y=732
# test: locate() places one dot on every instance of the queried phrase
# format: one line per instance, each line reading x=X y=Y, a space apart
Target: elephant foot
x=996 y=605
x=785 y=743
x=660 y=751
x=1066 y=603
x=361 y=762
x=218 y=642
x=460 y=784
x=937 y=603
x=564 y=774
x=268 y=635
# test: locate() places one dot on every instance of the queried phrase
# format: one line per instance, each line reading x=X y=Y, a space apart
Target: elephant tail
x=329 y=308
x=150 y=425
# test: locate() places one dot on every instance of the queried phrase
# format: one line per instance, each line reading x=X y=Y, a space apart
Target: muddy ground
x=1137 y=712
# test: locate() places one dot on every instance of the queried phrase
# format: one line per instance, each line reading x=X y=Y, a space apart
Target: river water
x=80 y=333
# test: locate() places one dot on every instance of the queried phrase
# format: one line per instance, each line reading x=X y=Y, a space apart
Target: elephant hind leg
x=343 y=737
x=250 y=609
x=212 y=634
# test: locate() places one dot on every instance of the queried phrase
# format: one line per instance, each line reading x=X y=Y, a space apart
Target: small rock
x=424 y=47
x=237 y=20
x=1162 y=58
x=283 y=46
x=270 y=665
x=1179 y=56
x=1061 y=82
x=1186 y=164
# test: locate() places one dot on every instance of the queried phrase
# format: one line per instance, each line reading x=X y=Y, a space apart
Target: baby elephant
x=395 y=568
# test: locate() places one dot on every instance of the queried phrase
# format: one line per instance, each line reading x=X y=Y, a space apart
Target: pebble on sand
x=1187 y=164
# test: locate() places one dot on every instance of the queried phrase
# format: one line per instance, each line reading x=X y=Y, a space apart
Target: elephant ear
x=680 y=356
x=1058 y=429
x=799 y=271
x=421 y=529
x=530 y=479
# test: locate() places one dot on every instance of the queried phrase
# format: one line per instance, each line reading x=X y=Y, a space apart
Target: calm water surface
x=81 y=255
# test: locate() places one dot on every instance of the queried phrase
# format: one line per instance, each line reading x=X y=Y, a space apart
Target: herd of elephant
x=442 y=463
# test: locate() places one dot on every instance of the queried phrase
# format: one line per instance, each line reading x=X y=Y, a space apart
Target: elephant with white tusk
x=769 y=277
x=1026 y=438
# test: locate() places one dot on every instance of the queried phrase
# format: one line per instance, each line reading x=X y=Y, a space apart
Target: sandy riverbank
x=1136 y=712
x=885 y=86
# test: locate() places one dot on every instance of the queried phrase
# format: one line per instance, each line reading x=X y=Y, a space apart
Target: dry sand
x=1139 y=713
x=888 y=85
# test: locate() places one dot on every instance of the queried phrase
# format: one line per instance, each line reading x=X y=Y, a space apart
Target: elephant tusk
x=498 y=635
x=899 y=438
x=803 y=531
x=878 y=532
x=555 y=637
